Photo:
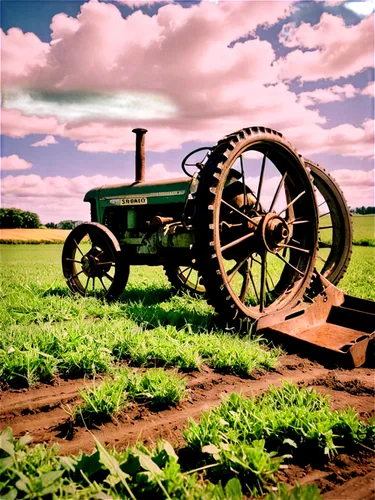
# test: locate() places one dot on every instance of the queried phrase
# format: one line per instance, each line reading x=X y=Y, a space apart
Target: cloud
x=141 y=3
x=346 y=140
x=56 y=197
x=331 y=49
x=14 y=162
x=357 y=186
x=184 y=73
x=331 y=94
x=369 y=90
x=49 y=139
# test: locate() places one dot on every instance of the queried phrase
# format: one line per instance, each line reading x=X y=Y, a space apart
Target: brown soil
x=44 y=413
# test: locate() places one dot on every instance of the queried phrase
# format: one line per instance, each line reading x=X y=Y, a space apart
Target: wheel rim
x=335 y=227
x=91 y=262
x=190 y=279
x=263 y=253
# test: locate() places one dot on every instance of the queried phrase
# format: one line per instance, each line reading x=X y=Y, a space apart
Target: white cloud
x=57 y=198
x=369 y=90
x=331 y=94
x=48 y=140
x=334 y=50
x=357 y=186
x=14 y=162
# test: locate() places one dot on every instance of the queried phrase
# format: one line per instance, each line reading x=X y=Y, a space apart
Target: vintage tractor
x=263 y=233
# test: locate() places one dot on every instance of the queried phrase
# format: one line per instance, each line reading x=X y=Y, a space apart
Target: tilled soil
x=44 y=411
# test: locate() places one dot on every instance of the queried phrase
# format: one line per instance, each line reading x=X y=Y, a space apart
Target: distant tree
x=51 y=225
x=17 y=218
x=66 y=224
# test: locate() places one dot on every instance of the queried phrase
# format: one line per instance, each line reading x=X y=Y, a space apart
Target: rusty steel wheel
x=186 y=279
x=256 y=249
x=335 y=225
x=92 y=262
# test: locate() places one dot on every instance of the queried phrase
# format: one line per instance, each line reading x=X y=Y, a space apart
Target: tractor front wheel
x=93 y=264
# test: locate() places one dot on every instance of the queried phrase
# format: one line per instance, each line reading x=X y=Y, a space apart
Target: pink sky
x=188 y=74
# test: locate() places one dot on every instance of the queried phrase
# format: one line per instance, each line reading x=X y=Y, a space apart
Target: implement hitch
x=336 y=327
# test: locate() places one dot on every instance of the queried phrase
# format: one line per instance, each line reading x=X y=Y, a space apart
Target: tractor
x=262 y=233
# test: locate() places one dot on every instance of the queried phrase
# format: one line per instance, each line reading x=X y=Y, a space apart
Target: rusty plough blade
x=335 y=327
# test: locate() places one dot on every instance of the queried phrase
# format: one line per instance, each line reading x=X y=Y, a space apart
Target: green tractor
x=257 y=229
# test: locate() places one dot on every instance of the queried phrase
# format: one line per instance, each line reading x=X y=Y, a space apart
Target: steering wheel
x=199 y=164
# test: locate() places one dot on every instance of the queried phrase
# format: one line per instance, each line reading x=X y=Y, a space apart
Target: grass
x=363 y=230
x=48 y=332
x=240 y=446
x=251 y=437
x=157 y=387
x=138 y=472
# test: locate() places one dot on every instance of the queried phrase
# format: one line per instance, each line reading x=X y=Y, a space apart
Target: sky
x=77 y=77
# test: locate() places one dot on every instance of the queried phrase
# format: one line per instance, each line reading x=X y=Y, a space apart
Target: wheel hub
x=90 y=262
x=275 y=232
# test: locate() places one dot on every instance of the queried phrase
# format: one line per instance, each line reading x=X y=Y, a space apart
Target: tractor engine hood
x=143 y=193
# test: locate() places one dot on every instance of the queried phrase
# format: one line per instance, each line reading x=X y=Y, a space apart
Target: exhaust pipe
x=140 y=158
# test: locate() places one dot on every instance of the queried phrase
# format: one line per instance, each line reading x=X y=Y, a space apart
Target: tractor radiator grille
x=115 y=219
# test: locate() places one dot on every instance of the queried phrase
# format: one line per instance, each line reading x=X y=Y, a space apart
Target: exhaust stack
x=140 y=158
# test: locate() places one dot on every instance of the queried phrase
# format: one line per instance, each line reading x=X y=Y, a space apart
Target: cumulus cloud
x=346 y=139
x=330 y=48
x=56 y=197
x=14 y=162
x=48 y=140
x=184 y=73
x=357 y=186
x=331 y=94
x=369 y=90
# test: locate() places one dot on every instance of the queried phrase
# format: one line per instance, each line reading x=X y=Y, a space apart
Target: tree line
x=363 y=210
x=12 y=218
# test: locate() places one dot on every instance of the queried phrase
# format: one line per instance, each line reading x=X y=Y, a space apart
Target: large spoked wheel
x=185 y=279
x=256 y=249
x=335 y=225
x=92 y=262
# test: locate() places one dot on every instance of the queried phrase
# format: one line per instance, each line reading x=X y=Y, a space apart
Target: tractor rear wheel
x=92 y=262
x=256 y=249
x=335 y=225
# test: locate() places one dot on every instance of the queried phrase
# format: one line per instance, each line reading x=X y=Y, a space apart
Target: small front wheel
x=92 y=262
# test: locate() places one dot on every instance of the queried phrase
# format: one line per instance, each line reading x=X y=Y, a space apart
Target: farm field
x=81 y=373
x=33 y=235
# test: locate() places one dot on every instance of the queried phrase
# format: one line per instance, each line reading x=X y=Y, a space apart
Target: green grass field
x=363 y=229
x=47 y=332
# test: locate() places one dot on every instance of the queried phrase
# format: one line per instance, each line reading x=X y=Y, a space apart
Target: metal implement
x=246 y=230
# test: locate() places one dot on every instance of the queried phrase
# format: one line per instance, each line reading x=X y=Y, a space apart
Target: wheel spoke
x=289 y=264
x=294 y=248
x=103 y=285
x=236 y=242
x=299 y=222
x=292 y=202
x=87 y=284
x=236 y=210
x=263 y=278
x=75 y=275
x=235 y=269
x=108 y=276
x=243 y=182
x=76 y=244
x=73 y=260
x=182 y=272
x=324 y=245
x=278 y=191
x=320 y=204
x=261 y=180
x=323 y=215
x=321 y=258
x=188 y=276
x=105 y=264
x=93 y=284
x=325 y=227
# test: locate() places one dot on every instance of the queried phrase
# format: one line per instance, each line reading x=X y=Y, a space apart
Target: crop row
x=73 y=349
x=235 y=449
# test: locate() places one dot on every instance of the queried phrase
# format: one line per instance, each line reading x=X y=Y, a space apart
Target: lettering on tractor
x=263 y=233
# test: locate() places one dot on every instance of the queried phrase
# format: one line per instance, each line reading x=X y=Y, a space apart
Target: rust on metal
x=140 y=156
x=341 y=327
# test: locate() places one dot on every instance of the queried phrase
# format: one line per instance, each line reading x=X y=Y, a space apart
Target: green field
x=47 y=332
x=363 y=229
